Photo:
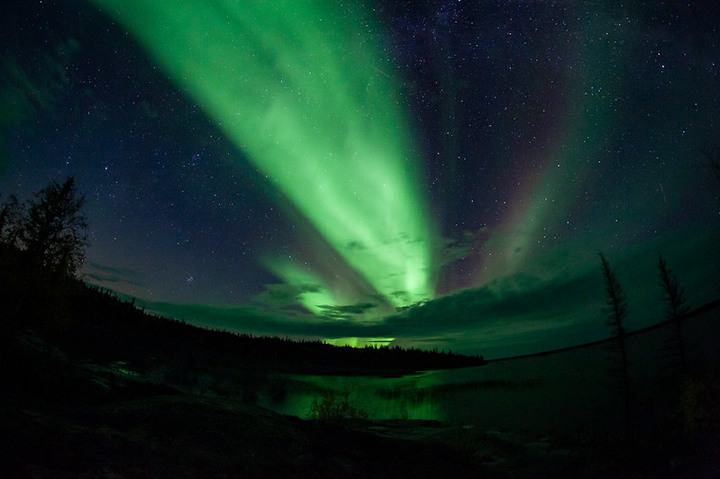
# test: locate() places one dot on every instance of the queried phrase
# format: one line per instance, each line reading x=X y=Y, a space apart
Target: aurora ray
x=303 y=92
x=545 y=202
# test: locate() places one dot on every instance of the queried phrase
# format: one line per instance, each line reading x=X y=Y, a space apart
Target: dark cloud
x=282 y=295
x=112 y=276
x=458 y=313
x=345 y=313
x=517 y=297
x=454 y=249
x=515 y=314
x=27 y=89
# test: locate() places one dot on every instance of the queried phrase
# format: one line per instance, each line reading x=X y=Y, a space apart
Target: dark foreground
x=73 y=418
x=144 y=432
x=189 y=436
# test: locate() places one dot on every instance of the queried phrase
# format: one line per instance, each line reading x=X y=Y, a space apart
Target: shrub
x=335 y=409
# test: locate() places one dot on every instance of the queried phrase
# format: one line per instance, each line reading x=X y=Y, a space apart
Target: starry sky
x=436 y=174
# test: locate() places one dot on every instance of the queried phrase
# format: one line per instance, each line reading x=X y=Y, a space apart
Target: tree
x=677 y=308
x=616 y=304
x=42 y=245
x=11 y=213
x=616 y=311
x=52 y=232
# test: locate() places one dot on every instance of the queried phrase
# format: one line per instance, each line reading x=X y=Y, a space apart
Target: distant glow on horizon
x=304 y=93
x=358 y=342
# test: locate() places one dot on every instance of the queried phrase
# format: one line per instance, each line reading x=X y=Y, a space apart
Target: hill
x=77 y=324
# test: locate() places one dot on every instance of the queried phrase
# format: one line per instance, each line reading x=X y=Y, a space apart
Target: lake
x=566 y=391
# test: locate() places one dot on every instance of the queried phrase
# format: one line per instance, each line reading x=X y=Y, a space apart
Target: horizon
x=693 y=311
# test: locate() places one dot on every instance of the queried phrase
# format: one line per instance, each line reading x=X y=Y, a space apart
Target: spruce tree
x=677 y=306
x=616 y=313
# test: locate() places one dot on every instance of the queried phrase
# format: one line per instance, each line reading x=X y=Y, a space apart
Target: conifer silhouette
x=616 y=311
x=677 y=306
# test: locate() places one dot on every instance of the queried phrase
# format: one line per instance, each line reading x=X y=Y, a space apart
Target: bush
x=333 y=409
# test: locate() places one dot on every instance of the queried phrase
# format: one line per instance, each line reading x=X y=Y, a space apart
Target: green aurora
x=462 y=208
x=329 y=134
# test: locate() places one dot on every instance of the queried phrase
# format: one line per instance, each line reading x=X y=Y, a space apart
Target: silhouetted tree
x=677 y=307
x=52 y=232
x=11 y=213
x=616 y=311
x=42 y=245
x=616 y=304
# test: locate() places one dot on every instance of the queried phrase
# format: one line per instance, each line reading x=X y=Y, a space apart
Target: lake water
x=559 y=392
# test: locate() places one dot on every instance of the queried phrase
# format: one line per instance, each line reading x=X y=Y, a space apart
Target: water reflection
x=568 y=391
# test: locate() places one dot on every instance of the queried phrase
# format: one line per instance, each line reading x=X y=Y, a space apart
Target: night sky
x=430 y=174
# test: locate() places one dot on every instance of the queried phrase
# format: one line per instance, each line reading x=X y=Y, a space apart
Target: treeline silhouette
x=86 y=324
x=110 y=329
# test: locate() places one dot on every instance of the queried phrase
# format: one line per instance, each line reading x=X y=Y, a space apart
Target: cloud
x=556 y=306
x=26 y=89
x=454 y=249
x=111 y=276
x=283 y=295
x=345 y=313
x=507 y=299
x=517 y=303
x=465 y=314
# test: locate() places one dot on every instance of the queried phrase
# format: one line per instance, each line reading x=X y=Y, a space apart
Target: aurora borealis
x=327 y=132
x=438 y=176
